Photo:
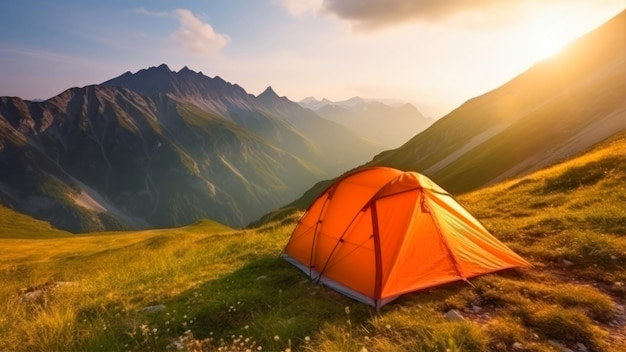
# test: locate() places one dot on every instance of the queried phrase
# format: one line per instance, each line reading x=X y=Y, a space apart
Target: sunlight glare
x=550 y=34
x=548 y=47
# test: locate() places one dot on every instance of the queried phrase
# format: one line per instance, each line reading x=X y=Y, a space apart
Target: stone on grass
x=152 y=309
x=454 y=315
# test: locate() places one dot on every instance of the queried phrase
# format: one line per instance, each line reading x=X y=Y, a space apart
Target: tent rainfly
x=378 y=233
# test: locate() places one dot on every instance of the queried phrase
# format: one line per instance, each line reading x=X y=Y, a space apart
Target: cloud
x=146 y=12
x=300 y=8
x=197 y=36
x=376 y=14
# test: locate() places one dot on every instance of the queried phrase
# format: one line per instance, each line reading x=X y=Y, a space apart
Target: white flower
x=276 y=337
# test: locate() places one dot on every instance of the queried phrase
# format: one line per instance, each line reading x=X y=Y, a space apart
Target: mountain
x=159 y=148
x=554 y=110
x=388 y=124
x=557 y=108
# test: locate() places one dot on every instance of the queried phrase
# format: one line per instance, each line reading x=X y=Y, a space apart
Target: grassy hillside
x=212 y=287
x=17 y=225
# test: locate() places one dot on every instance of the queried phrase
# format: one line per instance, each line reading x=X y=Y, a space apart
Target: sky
x=433 y=53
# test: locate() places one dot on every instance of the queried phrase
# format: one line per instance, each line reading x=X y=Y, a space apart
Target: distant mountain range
x=161 y=148
x=390 y=123
x=558 y=108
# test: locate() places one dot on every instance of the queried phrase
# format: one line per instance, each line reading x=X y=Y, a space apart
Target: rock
x=567 y=262
x=559 y=346
x=32 y=295
x=152 y=309
x=517 y=346
x=454 y=315
x=581 y=347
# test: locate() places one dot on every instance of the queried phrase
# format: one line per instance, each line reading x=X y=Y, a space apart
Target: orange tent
x=378 y=232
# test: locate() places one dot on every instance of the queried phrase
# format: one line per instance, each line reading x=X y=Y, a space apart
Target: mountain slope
x=99 y=158
x=555 y=109
x=277 y=119
x=159 y=148
x=16 y=225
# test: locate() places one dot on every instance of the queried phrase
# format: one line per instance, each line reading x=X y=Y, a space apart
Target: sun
x=548 y=46
x=546 y=41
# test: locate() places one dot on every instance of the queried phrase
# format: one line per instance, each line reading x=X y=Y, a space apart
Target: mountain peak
x=268 y=93
x=163 y=67
x=309 y=100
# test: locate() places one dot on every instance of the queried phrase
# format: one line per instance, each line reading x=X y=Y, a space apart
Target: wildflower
x=154 y=330
x=276 y=337
x=388 y=326
x=307 y=339
x=259 y=348
x=347 y=310
x=287 y=349
x=363 y=349
x=246 y=327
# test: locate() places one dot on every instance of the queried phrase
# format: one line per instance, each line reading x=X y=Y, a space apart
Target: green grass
x=229 y=289
x=18 y=225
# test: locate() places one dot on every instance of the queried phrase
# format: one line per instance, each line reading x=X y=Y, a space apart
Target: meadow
x=207 y=287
